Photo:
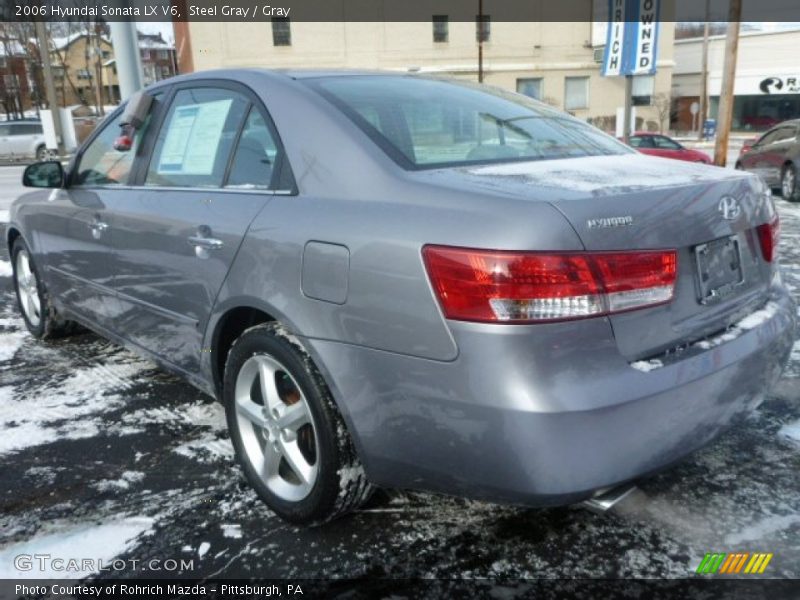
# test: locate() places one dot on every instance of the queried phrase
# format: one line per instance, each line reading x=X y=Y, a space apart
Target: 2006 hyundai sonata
x=408 y=282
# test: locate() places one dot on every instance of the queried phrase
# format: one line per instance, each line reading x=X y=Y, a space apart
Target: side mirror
x=49 y=174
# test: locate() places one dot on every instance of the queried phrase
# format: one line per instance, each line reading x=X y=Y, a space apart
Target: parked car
x=402 y=281
x=775 y=156
x=22 y=140
x=660 y=145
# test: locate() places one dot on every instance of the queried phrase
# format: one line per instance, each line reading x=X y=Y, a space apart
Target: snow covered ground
x=106 y=457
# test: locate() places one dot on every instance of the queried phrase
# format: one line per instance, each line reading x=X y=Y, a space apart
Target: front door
x=77 y=235
x=175 y=240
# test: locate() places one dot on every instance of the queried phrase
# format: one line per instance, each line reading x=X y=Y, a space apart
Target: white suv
x=22 y=139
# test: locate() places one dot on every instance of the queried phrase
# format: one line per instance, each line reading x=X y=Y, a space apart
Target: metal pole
x=480 y=41
x=704 y=77
x=626 y=126
x=725 y=113
x=126 y=53
x=49 y=86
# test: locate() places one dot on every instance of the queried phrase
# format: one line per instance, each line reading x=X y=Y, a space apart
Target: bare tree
x=10 y=92
x=663 y=102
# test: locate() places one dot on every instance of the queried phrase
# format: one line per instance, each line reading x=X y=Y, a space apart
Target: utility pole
x=480 y=41
x=126 y=53
x=725 y=114
x=49 y=87
x=704 y=77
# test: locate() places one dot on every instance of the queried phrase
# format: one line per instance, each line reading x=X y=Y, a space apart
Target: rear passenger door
x=215 y=162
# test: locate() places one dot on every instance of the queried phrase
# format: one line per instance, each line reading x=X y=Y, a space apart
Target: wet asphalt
x=103 y=453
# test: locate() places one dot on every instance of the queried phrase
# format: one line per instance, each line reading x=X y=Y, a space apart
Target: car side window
x=100 y=163
x=645 y=142
x=24 y=129
x=665 y=143
x=256 y=157
x=196 y=139
x=769 y=137
x=784 y=134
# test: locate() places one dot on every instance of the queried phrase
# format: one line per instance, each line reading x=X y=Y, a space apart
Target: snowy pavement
x=104 y=456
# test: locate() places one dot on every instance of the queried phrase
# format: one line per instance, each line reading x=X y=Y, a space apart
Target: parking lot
x=104 y=454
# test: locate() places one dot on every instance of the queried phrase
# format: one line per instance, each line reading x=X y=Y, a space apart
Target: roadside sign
x=694 y=108
x=632 y=38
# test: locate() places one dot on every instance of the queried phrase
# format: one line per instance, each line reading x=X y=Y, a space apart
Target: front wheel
x=287 y=432
x=32 y=298
x=789 y=188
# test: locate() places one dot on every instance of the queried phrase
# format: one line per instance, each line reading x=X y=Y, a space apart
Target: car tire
x=33 y=300
x=739 y=166
x=307 y=472
x=789 y=189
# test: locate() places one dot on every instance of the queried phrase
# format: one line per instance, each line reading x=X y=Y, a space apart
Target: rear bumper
x=544 y=415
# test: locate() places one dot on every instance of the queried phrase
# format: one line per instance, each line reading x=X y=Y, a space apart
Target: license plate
x=719 y=269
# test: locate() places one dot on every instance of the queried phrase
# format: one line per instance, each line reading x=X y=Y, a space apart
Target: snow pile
x=231 y=530
x=10 y=342
x=96 y=542
x=645 y=366
x=123 y=483
x=791 y=432
x=761 y=530
x=39 y=414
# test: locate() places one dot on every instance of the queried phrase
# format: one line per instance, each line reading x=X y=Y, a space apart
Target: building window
x=441 y=29
x=83 y=74
x=281 y=32
x=576 y=93
x=642 y=92
x=483 y=28
x=163 y=55
x=145 y=54
x=531 y=87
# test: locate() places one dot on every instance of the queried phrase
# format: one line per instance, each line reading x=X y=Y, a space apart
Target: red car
x=660 y=145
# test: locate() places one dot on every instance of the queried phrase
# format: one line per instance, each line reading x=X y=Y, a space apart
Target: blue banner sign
x=632 y=38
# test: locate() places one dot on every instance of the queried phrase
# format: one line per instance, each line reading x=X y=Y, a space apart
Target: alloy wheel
x=277 y=428
x=28 y=287
x=788 y=183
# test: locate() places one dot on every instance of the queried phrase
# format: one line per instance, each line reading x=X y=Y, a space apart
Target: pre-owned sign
x=632 y=38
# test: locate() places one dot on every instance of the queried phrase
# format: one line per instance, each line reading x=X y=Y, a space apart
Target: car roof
x=276 y=75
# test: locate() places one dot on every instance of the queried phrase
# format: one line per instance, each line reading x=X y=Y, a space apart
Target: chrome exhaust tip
x=605 y=499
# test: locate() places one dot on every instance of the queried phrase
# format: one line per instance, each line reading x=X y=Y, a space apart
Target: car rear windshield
x=424 y=122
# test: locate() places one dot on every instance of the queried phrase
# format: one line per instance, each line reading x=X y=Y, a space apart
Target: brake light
x=514 y=287
x=769 y=235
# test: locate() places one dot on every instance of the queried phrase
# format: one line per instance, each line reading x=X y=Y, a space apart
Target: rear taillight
x=514 y=287
x=769 y=234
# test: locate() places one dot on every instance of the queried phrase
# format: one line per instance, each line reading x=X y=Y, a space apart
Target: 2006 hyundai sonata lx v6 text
x=401 y=281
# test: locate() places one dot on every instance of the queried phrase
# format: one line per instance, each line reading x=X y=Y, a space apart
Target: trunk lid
x=634 y=202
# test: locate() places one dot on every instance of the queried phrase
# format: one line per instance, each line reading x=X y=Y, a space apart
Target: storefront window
x=760 y=112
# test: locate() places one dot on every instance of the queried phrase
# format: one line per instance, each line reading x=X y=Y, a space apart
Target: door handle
x=98 y=227
x=205 y=243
